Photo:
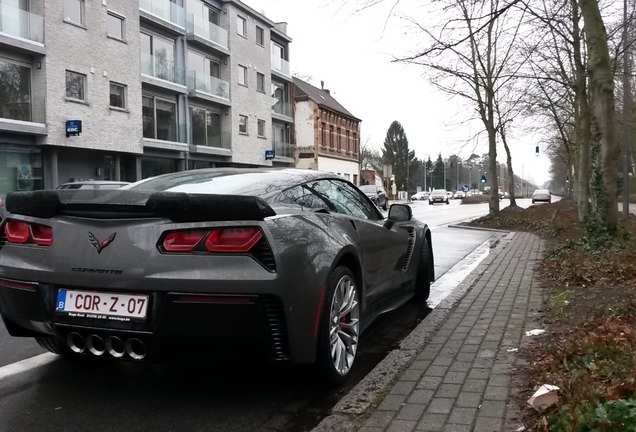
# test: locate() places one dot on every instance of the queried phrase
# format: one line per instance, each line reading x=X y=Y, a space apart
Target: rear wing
x=107 y=204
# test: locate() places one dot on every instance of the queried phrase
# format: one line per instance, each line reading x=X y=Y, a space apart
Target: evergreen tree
x=396 y=153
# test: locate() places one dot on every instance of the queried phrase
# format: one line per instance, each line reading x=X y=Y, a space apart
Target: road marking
x=453 y=277
x=27 y=365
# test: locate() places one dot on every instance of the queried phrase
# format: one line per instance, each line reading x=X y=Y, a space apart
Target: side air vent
x=409 y=249
x=3 y=237
x=264 y=255
x=277 y=329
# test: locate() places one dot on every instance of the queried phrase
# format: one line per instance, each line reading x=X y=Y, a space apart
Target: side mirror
x=400 y=213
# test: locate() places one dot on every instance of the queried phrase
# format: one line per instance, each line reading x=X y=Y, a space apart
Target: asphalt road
x=221 y=392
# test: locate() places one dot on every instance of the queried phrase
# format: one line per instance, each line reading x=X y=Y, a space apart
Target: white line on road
x=453 y=277
x=26 y=365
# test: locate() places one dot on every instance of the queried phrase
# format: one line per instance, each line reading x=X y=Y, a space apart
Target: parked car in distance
x=376 y=194
x=93 y=184
x=438 y=196
x=460 y=194
x=420 y=196
x=295 y=263
x=542 y=195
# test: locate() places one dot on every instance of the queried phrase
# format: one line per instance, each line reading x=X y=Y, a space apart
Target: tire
x=339 y=327
x=53 y=344
x=385 y=207
x=423 y=280
x=430 y=203
x=447 y=202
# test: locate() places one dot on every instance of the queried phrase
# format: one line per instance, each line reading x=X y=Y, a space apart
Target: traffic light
x=567 y=179
x=536 y=151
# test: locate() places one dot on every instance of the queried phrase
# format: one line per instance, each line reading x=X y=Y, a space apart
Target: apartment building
x=124 y=90
x=327 y=135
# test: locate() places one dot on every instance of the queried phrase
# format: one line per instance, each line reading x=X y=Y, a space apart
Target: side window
x=334 y=196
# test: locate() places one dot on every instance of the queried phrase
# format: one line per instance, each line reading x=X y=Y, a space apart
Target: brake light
x=23 y=232
x=17 y=232
x=237 y=240
x=42 y=235
x=182 y=241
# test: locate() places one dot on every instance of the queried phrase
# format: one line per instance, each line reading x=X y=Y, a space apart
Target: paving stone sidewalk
x=459 y=377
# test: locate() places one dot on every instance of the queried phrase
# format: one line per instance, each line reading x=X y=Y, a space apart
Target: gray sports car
x=300 y=262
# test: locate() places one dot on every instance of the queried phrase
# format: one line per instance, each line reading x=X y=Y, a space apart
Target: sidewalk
x=453 y=373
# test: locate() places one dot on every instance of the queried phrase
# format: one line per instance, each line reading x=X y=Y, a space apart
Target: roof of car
x=96 y=182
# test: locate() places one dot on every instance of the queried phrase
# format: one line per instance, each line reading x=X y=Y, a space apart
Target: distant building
x=326 y=134
x=127 y=89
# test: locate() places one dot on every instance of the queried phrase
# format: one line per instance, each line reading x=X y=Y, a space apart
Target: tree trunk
x=602 y=97
x=582 y=122
x=511 y=183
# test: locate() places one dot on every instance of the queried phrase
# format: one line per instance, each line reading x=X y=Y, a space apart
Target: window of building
x=338 y=139
x=324 y=134
x=243 y=124
x=261 y=128
x=75 y=86
x=117 y=95
x=74 y=11
x=260 y=36
x=260 y=82
x=158 y=57
x=15 y=95
x=242 y=75
x=159 y=118
x=332 y=142
x=348 y=142
x=241 y=26
x=115 y=26
x=206 y=126
x=354 y=148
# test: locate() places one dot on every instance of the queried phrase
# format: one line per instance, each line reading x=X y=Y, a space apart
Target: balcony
x=17 y=24
x=165 y=10
x=205 y=85
x=162 y=69
x=208 y=33
x=283 y=149
x=23 y=115
x=281 y=65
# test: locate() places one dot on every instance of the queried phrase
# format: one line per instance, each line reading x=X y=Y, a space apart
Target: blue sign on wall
x=269 y=154
x=73 y=127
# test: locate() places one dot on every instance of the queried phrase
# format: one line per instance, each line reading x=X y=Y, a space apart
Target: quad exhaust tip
x=113 y=345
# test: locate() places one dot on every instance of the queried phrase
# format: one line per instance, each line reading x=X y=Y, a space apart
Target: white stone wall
x=249 y=149
x=304 y=124
x=347 y=169
x=89 y=51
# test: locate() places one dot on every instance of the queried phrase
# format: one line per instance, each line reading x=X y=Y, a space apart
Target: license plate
x=100 y=305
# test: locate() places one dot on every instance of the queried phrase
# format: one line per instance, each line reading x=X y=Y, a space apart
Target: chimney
x=322 y=87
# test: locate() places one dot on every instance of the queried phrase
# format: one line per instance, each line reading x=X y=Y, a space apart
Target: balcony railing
x=283 y=108
x=20 y=23
x=207 y=30
x=162 y=69
x=208 y=84
x=27 y=109
x=282 y=149
x=165 y=10
x=280 y=65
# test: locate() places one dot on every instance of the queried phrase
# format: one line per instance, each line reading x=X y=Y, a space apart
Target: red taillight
x=17 y=232
x=23 y=232
x=42 y=235
x=182 y=241
x=236 y=240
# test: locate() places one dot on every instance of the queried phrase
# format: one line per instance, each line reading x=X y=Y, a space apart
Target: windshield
x=368 y=188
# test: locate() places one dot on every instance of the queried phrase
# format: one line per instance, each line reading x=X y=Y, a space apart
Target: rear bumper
x=28 y=309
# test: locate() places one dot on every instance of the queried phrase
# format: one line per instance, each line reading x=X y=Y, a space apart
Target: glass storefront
x=154 y=166
x=20 y=169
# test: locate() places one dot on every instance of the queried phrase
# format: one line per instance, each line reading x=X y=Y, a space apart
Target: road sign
x=483 y=178
x=465 y=188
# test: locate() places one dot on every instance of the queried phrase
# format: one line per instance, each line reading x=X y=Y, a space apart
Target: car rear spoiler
x=176 y=206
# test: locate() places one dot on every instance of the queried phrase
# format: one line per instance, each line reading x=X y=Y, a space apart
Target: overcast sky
x=352 y=54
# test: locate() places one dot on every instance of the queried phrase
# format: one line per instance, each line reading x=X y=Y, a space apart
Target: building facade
x=326 y=134
x=124 y=90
